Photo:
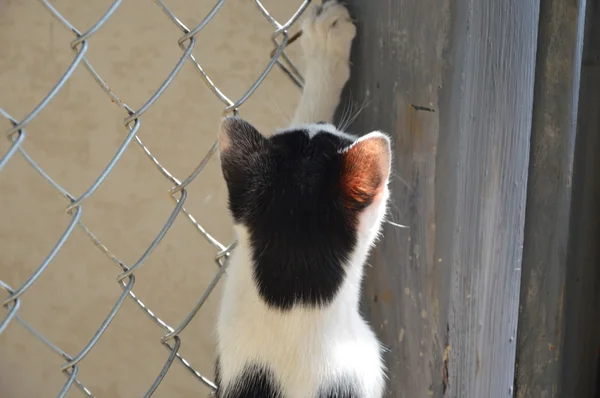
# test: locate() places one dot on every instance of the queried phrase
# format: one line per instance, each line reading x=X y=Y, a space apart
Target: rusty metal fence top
x=132 y=121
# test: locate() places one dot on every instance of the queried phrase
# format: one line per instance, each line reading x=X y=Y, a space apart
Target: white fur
x=314 y=129
x=306 y=347
x=327 y=53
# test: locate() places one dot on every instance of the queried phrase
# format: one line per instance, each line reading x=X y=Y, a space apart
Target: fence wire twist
x=132 y=122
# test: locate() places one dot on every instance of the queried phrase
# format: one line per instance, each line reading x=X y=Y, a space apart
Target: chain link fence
x=17 y=134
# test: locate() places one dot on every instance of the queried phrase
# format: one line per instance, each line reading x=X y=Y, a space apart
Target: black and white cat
x=307 y=203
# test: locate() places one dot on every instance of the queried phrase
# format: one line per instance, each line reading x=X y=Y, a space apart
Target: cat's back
x=297 y=353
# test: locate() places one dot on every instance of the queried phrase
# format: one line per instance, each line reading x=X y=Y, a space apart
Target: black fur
x=287 y=191
x=342 y=389
x=259 y=382
x=256 y=381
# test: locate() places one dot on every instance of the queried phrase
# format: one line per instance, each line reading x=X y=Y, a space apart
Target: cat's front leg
x=327 y=35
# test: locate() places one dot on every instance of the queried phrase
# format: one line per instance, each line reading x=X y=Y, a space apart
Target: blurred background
x=75 y=137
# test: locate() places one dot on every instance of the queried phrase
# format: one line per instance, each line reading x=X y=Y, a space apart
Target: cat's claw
x=327 y=33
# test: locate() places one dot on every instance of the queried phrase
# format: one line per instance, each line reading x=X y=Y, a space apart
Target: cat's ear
x=237 y=136
x=366 y=168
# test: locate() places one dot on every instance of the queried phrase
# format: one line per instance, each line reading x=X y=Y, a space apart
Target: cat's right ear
x=238 y=137
x=366 y=169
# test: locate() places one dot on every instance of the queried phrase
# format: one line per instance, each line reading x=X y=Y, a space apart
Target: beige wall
x=74 y=138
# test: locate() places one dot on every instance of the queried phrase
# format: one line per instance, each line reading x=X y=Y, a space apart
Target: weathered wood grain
x=539 y=344
x=398 y=70
x=452 y=82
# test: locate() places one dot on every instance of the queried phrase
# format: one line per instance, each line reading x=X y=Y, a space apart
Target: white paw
x=327 y=34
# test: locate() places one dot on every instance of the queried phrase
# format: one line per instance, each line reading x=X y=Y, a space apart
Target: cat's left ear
x=239 y=136
x=366 y=168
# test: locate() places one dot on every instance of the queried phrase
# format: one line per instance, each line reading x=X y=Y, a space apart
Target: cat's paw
x=327 y=34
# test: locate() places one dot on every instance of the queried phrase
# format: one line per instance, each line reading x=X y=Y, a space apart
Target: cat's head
x=308 y=183
x=306 y=194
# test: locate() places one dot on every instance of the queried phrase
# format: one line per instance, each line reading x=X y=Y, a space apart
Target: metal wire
x=132 y=122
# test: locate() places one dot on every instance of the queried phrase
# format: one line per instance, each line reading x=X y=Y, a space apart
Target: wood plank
x=539 y=344
x=400 y=93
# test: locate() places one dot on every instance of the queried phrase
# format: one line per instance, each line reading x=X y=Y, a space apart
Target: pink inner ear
x=366 y=168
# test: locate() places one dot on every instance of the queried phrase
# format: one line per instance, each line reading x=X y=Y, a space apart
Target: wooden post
x=452 y=83
x=539 y=345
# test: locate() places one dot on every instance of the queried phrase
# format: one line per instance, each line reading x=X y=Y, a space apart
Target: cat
x=307 y=204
